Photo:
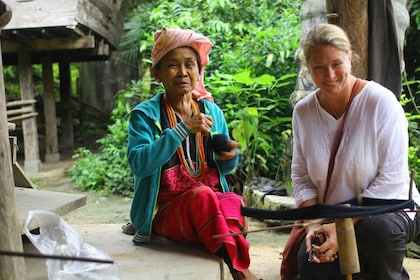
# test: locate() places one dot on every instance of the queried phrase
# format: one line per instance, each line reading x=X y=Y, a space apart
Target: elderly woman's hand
x=200 y=123
x=226 y=155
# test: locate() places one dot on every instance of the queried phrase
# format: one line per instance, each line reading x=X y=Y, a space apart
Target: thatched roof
x=78 y=29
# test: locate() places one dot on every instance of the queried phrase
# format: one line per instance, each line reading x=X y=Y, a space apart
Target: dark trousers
x=382 y=243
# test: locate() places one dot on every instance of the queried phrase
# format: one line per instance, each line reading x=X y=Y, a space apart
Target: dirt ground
x=265 y=245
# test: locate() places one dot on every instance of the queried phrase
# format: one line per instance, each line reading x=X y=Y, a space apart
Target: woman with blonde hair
x=370 y=161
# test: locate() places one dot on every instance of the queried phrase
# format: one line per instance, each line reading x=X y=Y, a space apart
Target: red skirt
x=195 y=216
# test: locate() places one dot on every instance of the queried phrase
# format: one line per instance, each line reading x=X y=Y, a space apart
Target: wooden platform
x=28 y=199
x=160 y=260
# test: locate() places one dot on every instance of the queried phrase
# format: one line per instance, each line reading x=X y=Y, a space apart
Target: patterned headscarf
x=168 y=39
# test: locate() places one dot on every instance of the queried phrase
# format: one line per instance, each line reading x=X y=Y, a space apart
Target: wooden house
x=47 y=32
x=55 y=31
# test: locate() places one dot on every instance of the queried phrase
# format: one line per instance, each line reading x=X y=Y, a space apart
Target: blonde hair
x=325 y=34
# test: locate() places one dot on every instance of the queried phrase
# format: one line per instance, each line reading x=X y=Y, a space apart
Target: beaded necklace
x=196 y=171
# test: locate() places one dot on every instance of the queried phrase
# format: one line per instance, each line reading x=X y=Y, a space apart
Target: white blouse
x=372 y=159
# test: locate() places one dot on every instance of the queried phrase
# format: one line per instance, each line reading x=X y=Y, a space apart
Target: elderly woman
x=180 y=151
x=371 y=161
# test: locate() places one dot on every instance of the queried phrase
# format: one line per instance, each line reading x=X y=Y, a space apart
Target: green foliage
x=251 y=76
x=253 y=34
x=258 y=119
x=108 y=171
x=411 y=89
x=11 y=82
x=415 y=12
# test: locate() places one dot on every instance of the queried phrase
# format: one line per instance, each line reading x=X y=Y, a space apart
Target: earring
x=198 y=78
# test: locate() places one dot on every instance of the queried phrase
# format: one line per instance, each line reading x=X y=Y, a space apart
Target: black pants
x=382 y=243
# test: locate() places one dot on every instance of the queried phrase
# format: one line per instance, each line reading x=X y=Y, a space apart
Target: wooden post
x=352 y=16
x=30 y=129
x=67 y=141
x=51 y=138
x=10 y=236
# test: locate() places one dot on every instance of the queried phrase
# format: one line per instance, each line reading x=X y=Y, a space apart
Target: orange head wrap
x=168 y=39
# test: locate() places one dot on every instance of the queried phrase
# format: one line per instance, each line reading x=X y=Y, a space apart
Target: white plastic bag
x=56 y=237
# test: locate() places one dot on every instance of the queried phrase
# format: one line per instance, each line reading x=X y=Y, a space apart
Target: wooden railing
x=20 y=109
x=17 y=111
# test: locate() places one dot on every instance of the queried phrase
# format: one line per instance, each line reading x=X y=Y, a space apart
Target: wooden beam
x=29 y=126
x=106 y=8
x=19 y=111
x=51 y=137
x=67 y=141
x=89 y=15
x=53 y=44
x=10 y=235
x=19 y=103
x=20 y=118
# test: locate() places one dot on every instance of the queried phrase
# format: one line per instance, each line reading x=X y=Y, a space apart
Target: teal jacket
x=149 y=148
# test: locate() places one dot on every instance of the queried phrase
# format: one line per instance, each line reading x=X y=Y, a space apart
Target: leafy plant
x=413 y=117
x=251 y=76
x=253 y=44
x=107 y=171
x=256 y=120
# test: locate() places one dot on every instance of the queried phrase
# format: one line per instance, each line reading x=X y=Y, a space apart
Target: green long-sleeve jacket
x=149 y=148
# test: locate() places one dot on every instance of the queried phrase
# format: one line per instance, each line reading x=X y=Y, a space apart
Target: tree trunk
x=352 y=16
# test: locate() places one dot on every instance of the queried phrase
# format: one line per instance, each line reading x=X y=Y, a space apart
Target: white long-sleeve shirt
x=372 y=159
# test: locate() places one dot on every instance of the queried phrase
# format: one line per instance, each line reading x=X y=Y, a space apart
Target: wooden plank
x=35 y=199
x=90 y=16
x=53 y=44
x=13 y=148
x=106 y=7
x=21 y=180
x=19 y=111
x=22 y=117
x=103 y=17
x=42 y=13
x=16 y=103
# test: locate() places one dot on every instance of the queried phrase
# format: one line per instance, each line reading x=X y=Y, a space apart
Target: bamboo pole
x=347 y=247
